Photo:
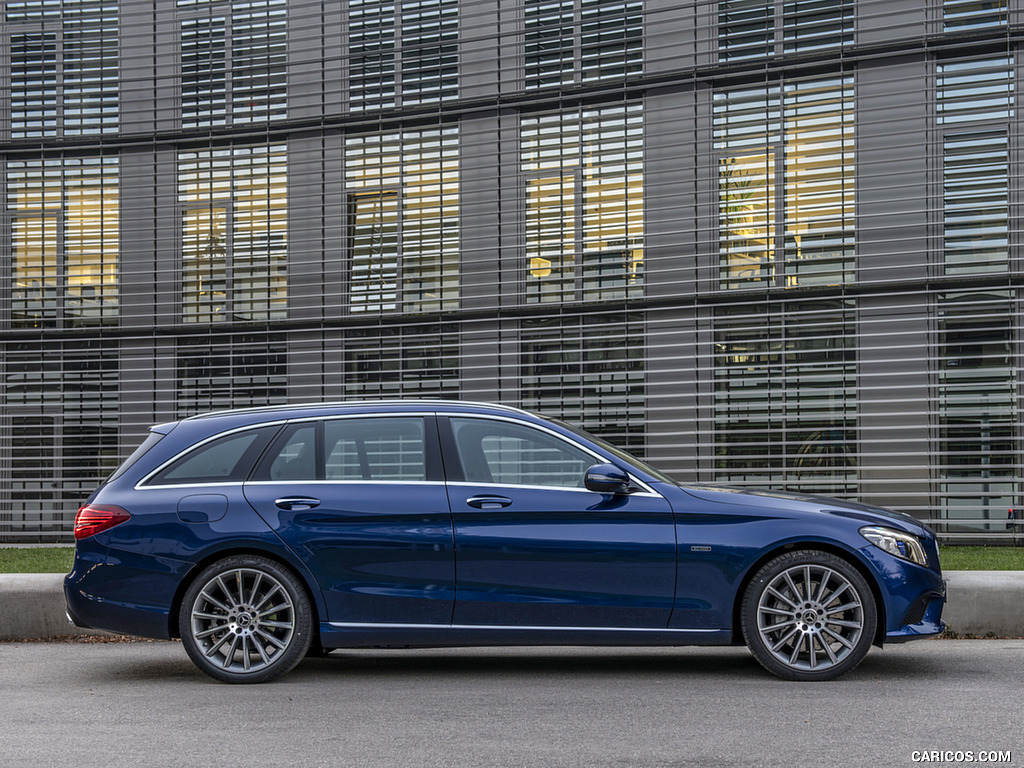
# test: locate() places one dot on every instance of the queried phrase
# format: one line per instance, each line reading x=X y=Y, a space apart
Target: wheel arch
x=820 y=546
x=312 y=594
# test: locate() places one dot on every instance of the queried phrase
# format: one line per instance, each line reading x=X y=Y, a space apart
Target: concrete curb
x=32 y=605
x=983 y=602
x=978 y=603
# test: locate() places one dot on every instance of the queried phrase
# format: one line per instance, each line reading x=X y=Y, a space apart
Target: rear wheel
x=809 y=615
x=245 y=619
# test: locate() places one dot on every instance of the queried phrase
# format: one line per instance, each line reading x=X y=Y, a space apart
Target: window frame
x=68 y=118
x=241 y=163
x=363 y=296
x=951 y=79
x=582 y=134
x=63 y=304
x=777 y=133
x=580 y=41
x=781 y=30
x=235 y=72
x=396 y=81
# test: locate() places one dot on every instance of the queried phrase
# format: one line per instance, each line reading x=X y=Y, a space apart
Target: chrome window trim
x=342 y=482
x=465 y=484
x=226 y=484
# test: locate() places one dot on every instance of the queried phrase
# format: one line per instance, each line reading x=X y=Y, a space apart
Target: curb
x=32 y=606
x=978 y=603
x=981 y=603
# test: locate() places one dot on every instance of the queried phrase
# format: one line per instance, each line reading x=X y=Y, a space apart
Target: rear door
x=362 y=501
x=534 y=548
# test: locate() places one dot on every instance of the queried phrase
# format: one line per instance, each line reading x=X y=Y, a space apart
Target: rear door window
x=384 y=449
x=371 y=449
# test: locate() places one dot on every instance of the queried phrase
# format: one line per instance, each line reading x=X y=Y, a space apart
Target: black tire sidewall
x=301 y=636
x=764 y=576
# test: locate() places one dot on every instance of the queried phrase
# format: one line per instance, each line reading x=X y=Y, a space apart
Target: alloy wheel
x=810 y=617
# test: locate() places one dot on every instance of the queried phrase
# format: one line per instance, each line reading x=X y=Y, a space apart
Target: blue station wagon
x=257 y=535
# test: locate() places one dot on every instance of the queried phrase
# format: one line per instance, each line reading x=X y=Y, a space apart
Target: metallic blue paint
x=380 y=553
x=564 y=558
x=453 y=563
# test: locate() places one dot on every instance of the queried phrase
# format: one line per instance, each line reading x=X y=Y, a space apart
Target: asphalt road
x=144 y=704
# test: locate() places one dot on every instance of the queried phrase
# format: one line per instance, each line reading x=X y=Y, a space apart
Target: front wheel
x=245 y=619
x=808 y=615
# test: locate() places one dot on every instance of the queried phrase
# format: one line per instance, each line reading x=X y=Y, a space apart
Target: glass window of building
x=750 y=29
x=785 y=396
x=973 y=91
x=958 y=15
x=233 y=61
x=403 y=209
x=234 y=218
x=588 y=371
x=402 y=54
x=243 y=370
x=63 y=73
x=569 y=42
x=584 y=194
x=417 y=360
x=785 y=184
x=979 y=453
x=974 y=106
x=975 y=202
x=65 y=238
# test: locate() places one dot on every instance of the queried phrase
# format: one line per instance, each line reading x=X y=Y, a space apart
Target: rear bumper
x=122 y=593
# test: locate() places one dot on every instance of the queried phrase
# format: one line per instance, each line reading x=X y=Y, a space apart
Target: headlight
x=896 y=543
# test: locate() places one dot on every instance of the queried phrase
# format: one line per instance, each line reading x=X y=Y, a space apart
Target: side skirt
x=362 y=635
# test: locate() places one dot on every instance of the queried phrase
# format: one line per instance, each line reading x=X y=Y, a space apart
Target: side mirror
x=606 y=478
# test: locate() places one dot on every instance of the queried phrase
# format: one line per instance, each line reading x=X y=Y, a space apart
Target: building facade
x=766 y=243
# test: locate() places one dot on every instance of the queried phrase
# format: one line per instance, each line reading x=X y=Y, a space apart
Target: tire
x=808 y=615
x=246 y=619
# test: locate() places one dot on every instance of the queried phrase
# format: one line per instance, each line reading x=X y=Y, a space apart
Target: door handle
x=297 y=502
x=488 y=502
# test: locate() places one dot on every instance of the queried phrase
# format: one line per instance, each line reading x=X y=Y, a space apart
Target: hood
x=756 y=497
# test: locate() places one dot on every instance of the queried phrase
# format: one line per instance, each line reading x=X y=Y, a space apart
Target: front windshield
x=618 y=453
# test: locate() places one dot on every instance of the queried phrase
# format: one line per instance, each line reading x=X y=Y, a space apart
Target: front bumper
x=913 y=596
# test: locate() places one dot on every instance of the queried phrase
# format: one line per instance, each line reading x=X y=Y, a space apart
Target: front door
x=534 y=548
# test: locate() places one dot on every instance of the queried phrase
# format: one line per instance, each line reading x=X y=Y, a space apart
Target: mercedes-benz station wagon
x=258 y=535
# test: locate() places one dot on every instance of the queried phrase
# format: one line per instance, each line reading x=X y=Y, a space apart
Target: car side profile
x=258 y=534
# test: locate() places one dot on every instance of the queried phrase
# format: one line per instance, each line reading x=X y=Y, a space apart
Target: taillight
x=95 y=518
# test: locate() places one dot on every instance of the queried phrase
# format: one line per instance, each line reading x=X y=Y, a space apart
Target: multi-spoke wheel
x=245 y=619
x=808 y=615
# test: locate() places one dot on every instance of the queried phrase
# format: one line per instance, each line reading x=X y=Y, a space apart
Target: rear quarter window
x=151 y=439
x=224 y=459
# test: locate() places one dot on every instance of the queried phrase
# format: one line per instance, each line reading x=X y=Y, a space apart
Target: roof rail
x=356 y=403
